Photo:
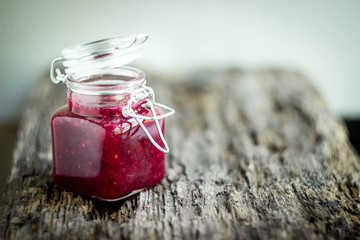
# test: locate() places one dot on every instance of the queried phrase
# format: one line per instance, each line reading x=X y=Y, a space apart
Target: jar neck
x=104 y=92
x=97 y=105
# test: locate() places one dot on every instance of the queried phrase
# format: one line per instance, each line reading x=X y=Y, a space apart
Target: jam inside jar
x=108 y=140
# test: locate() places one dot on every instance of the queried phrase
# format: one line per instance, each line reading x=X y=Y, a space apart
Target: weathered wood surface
x=253 y=155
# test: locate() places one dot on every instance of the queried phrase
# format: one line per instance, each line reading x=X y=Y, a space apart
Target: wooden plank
x=253 y=155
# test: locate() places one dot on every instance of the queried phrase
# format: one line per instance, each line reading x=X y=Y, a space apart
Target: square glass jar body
x=104 y=158
x=97 y=150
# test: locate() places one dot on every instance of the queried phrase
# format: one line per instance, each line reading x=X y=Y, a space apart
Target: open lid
x=105 y=53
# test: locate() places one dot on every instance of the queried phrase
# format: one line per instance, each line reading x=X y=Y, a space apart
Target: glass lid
x=106 y=53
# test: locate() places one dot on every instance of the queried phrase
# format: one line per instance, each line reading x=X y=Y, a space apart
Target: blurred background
x=320 y=39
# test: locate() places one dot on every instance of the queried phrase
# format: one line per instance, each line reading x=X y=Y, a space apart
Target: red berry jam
x=99 y=152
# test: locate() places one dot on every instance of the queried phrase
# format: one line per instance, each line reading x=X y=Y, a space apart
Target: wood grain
x=253 y=155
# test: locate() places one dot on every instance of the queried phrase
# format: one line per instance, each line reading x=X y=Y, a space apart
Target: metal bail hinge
x=60 y=77
x=147 y=93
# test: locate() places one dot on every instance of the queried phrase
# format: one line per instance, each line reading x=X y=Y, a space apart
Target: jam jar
x=108 y=141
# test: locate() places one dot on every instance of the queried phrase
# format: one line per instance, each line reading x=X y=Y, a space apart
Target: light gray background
x=318 y=38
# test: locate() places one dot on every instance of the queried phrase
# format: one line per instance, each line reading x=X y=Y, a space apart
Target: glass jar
x=108 y=140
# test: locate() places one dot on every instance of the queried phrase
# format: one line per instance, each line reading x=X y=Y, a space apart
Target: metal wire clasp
x=147 y=93
x=60 y=77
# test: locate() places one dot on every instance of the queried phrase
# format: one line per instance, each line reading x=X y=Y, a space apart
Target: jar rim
x=106 y=81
